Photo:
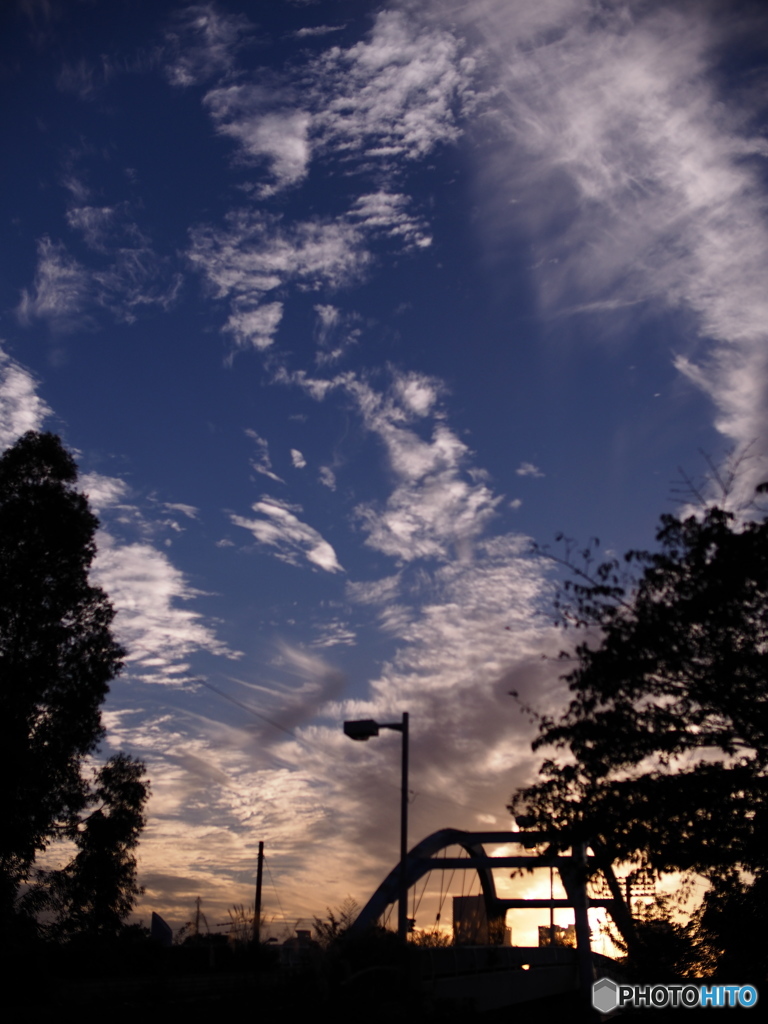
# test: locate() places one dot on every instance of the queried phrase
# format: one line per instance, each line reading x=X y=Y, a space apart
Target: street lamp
x=363 y=729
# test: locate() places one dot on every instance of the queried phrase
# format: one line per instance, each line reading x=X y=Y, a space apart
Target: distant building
x=471 y=926
x=301 y=950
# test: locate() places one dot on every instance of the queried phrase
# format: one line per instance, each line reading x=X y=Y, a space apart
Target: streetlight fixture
x=363 y=729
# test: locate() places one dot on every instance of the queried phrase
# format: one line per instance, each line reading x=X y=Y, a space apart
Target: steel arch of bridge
x=573 y=871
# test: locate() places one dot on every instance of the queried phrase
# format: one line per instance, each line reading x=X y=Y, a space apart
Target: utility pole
x=257 y=909
x=402 y=903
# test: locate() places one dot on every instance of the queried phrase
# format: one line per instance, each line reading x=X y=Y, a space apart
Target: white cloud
x=66 y=293
x=294 y=541
x=262 y=462
x=433 y=512
x=386 y=213
x=202 y=43
x=298 y=459
x=61 y=292
x=440 y=503
x=21 y=408
x=394 y=96
x=528 y=469
x=335 y=332
x=327 y=477
x=277 y=137
x=638 y=181
x=144 y=588
x=328 y=318
x=95 y=223
x=383 y=100
x=103 y=492
x=317 y=30
x=256 y=326
x=416 y=392
x=255 y=255
x=186 y=510
x=335 y=633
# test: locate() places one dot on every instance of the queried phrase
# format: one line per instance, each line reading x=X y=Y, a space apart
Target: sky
x=343 y=307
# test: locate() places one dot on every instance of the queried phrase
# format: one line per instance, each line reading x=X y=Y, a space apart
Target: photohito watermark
x=608 y=996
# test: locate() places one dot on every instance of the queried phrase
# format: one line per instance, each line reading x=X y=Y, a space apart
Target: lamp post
x=363 y=729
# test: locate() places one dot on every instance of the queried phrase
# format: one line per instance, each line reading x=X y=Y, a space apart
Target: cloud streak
x=640 y=187
x=278 y=527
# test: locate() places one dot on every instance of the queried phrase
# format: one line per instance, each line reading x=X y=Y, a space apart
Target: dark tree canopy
x=97 y=890
x=57 y=654
x=666 y=734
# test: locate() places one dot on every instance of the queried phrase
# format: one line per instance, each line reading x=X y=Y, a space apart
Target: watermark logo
x=608 y=996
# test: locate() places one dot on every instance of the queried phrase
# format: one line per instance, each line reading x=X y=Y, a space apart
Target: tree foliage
x=57 y=657
x=666 y=734
x=334 y=927
x=97 y=890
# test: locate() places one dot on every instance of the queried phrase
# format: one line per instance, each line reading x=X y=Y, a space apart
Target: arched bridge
x=539 y=849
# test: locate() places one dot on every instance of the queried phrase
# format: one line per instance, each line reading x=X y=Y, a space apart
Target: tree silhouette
x=57 y=656
x=97 y=890
x=666 y=734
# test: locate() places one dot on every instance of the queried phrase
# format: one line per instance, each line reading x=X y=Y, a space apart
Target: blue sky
x=342 y=305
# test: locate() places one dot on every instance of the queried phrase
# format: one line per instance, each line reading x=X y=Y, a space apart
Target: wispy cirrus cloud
x=394 y=96
x=126 y=275
x=440 y=503
x=435 y=510
x=203 y=42
x=147 y=591
x=145 y=588
x=390 y=99
x=84 y=78
x=95 y=223
x=639 y=185
x=313 y=32
x=104 y=492
x=21 y=408
x=62 y=290
x=132 y=275
x=261 y=462
x=334 y=633
x=256 y=256
x=267 y=130
x=278 y=527
x=336 y=331
x=386 y=214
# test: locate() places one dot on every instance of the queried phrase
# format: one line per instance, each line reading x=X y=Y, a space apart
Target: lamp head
x=362 y=729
